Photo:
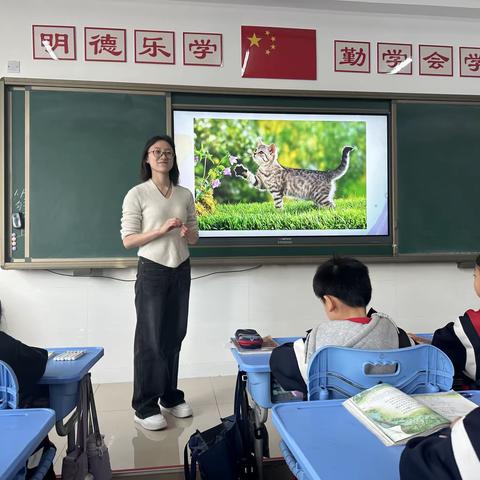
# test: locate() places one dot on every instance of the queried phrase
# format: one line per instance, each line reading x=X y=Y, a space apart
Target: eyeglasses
x=159 y=153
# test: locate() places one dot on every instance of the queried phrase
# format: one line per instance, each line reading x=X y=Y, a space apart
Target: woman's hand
x=183 y=230
x=191 y=236
x=170 y=225
x=140 y=239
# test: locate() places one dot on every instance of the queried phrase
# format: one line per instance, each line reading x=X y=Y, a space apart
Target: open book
x=395 y=417
x=267 y=346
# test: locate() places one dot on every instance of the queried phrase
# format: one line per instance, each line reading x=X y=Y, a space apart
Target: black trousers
x=284 y=368
x=161 y=301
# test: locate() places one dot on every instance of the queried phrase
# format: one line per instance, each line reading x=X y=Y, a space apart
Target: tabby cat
x=279 y=181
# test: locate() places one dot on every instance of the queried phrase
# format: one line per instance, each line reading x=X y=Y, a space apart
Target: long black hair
x=145 y=169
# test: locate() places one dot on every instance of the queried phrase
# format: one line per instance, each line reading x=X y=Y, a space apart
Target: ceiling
x=431 y=8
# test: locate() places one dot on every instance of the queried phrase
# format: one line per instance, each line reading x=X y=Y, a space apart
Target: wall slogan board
x=72 y=152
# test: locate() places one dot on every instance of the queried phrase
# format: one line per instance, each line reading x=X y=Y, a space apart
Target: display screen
x=296 y=176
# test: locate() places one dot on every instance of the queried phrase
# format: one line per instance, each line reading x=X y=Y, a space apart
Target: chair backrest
x=339 y=372
x=8 y=387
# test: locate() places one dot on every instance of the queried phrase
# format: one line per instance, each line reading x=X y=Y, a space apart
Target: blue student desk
x=63 y=379
x=21 y=433
x=327 y=442
x=256 y=366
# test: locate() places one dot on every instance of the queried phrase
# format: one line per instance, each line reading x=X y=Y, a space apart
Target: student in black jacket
x=29 y=364
x=460 y=340
x=450 y=454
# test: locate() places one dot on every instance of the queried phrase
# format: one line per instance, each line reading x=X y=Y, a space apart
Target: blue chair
x=9 y=395
x=339 y=372
x=8 y=387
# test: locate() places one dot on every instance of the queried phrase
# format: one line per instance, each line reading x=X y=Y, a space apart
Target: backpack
x=226 y=451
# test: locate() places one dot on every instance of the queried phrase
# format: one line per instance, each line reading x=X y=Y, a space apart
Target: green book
x=395 y=417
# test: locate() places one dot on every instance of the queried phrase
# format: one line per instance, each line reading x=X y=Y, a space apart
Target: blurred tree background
x=314 y=145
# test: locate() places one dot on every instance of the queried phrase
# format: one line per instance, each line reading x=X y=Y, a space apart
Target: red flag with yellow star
x=271 y=52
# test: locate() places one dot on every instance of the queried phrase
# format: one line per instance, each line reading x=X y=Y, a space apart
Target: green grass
x=296 y=215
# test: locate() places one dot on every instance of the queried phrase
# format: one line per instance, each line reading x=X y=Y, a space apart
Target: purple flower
x=227 y=172
x=233 y=159
x=196 y=159
x=216 y=183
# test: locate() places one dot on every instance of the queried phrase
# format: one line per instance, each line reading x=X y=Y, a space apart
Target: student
x=159 y=219
x=460 y=340
x=450 y=454
x=28 y=364
x=343 y=286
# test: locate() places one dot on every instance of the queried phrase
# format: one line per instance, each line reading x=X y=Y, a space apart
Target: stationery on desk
x=267 y=346
x=395 y=417
x=67 y=355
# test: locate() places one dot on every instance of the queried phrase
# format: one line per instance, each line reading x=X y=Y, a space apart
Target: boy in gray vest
x=343 y=285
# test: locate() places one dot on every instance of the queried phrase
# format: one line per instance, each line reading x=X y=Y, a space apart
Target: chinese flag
x=271 y=52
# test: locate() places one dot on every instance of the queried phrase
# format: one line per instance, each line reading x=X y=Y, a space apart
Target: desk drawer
x=63 y=398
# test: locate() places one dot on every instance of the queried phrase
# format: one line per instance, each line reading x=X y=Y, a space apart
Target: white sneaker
x=183 y=410
x=155 y=422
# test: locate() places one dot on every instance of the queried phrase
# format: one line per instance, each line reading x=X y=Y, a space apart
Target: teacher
x=158 y=217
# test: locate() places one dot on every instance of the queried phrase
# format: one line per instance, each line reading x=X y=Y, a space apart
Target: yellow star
x=267 y=32
x=254 y=40
x=273 y=39
x=267 y=52
x=272 y=47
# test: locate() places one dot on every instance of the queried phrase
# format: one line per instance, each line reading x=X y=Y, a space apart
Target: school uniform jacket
x=450 y=454
x=27 y=362
x=460 y=340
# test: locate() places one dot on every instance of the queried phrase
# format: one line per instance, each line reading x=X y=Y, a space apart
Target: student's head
x=476 y=276
x=159 y=151
x=343 y=285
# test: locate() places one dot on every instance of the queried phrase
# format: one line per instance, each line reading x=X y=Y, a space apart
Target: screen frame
x=308 y=241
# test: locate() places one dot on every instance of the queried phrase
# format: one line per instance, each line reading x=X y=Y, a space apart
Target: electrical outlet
x=13 y=66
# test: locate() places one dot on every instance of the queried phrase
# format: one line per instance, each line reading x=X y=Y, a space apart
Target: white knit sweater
x=146 y=209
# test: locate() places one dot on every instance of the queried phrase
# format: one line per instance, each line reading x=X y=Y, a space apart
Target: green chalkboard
x=438 y=165
x=84 y=155
x=16 y=157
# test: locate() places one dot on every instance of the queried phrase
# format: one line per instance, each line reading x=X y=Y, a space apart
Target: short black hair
x=345 y=278
x=477 y=261
x=146 y=171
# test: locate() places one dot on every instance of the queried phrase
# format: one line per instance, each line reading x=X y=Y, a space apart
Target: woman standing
x=159 y=218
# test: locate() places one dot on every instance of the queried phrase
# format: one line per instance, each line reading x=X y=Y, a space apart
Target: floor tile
x=114 y=396
x=131 y=446
x=198 y=391
x=224 y=388
x=58 y=460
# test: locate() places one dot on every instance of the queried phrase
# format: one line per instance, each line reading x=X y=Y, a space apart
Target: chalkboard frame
x=202 y=255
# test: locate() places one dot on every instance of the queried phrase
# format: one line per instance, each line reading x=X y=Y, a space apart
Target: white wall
x=45 y=309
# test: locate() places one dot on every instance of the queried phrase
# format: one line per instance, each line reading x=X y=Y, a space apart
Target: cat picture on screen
x=288 y=176
x=315 y=185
